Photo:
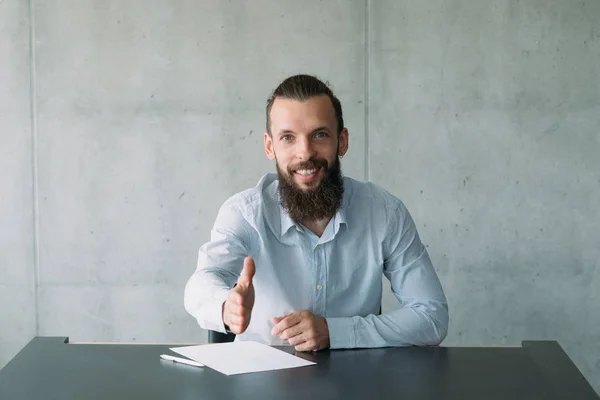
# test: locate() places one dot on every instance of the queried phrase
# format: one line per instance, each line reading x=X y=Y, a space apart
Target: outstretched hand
x=237 y=308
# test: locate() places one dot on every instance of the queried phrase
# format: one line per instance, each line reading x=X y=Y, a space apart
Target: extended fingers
x=233 y=320
x=235 y=297
x=237 y=324
x=236 y=316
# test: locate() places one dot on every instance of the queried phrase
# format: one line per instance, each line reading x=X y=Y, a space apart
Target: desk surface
x=51 y=368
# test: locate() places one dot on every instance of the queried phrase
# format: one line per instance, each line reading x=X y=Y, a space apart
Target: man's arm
x=220 y=263
x=422 y=319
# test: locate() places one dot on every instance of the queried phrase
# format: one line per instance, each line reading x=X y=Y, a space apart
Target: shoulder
x=254 y=203
x=254 y=197
x=368 y=195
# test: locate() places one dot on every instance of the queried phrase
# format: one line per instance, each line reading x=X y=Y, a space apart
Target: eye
x=321 y=135
x=286 y=138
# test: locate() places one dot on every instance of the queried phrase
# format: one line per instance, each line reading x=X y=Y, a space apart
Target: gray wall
x=125 y=124
x=17 y=237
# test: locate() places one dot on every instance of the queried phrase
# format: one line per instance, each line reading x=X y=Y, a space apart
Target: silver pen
x=181 y=360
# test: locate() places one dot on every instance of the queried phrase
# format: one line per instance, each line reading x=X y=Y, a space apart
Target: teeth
x=306 y=172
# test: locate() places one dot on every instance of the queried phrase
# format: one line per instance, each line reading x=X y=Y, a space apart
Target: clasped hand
x=303 y=330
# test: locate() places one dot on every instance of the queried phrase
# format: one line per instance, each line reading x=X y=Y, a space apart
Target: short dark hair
x=302 y=87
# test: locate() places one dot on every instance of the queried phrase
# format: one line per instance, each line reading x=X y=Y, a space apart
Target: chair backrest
x=218 y=337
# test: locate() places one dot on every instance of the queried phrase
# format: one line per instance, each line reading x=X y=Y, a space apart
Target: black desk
x=50 y=368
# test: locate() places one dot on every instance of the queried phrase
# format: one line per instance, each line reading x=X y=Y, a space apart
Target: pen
x=181 y=360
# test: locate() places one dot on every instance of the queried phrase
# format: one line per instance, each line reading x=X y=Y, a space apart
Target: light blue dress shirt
x=337 y=276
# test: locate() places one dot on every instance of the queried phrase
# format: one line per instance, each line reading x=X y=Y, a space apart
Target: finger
x=240 y=322
x=277 y=320
x=298 y=339
x=292 y=331
x=235 y=297
x=287 y=322
x=309 y=345
x=235 y=309
x=237 y=329
x=248 y=272
x=234 y=320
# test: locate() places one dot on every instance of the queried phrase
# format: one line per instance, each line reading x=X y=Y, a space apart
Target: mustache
x=310 y=164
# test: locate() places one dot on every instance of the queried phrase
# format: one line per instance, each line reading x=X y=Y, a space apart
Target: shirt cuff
x=342 y=334
x=213 y=312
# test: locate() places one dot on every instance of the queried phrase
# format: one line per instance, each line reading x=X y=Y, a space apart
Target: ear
x=269 y=146
x=343 y=142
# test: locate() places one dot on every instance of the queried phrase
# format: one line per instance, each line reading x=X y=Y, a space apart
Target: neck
x=317 y=226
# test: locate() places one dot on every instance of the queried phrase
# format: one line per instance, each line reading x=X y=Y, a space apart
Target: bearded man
x=299 y=258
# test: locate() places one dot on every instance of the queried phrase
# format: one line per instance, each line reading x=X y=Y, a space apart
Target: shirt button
x=319 y=287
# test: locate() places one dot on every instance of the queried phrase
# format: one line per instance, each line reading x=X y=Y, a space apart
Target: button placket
x=319 y=284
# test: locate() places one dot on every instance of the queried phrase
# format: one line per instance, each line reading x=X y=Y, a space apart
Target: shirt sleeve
x=220 y=262
x=423 y=317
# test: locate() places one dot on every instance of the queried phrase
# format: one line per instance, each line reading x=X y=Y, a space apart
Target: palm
x=249 y=299
x=245 y=281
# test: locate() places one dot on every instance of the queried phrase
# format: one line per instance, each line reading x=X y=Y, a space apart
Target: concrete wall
x=483 y=117
x=17 y=246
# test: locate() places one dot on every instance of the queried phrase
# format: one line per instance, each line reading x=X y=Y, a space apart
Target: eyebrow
x=288 y=131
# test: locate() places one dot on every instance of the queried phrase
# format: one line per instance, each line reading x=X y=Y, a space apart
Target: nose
x=305 y=150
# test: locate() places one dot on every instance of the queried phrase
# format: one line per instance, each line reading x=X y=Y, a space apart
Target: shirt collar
x=340 y=217
x=287 y=222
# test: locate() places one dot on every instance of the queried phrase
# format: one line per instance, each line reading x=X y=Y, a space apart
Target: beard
x=316 y=203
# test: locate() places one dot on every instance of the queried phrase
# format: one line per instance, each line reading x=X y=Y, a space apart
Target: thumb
x=247 y=272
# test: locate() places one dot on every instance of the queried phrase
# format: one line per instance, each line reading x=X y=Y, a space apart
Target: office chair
x=218 y=337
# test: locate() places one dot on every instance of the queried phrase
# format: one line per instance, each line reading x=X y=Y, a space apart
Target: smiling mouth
x=306 y=175
x=306 y=172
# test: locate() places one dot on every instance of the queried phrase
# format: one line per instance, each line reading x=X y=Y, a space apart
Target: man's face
x=305 y=145
x=304 y=140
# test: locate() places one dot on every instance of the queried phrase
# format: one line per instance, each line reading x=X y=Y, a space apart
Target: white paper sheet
x=241 y=357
